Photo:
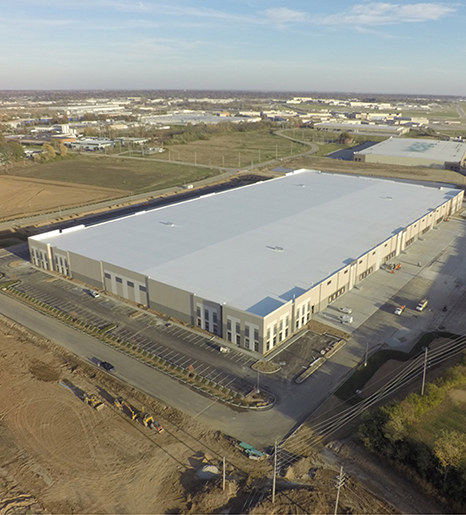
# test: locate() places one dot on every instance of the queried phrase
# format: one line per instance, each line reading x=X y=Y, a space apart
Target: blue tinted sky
x=363 y=46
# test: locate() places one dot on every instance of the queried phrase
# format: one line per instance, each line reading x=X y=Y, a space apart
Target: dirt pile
x=13 y=500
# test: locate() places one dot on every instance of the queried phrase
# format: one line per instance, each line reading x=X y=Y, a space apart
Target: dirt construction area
x=60 y=455
x=23 y=196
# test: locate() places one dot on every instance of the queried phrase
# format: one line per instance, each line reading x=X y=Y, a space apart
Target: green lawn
x=314 y=135
x=112 y=172
x=450 y=415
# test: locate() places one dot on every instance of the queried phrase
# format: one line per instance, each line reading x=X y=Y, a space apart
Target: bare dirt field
x=25 y=196
x=59 y=455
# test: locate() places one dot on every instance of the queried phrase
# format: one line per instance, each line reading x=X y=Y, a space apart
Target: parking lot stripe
x=202 y=371
x=176 y=332
x=183 y=360
x=228 y=384
x=217 y=375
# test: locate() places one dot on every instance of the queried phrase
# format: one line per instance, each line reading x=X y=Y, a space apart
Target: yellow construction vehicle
x=121 y=404
x=93 y=401
x=118 y=402
x=149 y=422
x=134 y=413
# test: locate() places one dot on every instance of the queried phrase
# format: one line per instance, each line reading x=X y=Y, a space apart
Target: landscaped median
x=202 y=384
x=364 y=372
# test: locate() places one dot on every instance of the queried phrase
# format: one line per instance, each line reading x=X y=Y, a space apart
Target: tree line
x=391 y=432
x=10 y=151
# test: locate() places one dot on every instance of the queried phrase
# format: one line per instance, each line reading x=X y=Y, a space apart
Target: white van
x=422 y=304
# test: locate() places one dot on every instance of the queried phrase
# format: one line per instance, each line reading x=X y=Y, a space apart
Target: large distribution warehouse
x=450 y=155
x=253 y=264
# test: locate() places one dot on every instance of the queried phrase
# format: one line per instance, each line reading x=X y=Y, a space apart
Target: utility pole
x=274 y=481
x=340 y=481
x=425 y=349
x=224 y=476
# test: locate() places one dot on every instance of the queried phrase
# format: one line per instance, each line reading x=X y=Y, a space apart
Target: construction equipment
x=93 y=401
x=118 y=402
x=134 y=412
x=121 y=404
x=149 y=422
x=146 y=418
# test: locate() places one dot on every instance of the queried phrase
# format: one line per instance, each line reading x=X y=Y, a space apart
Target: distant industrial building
x=251 y=265
x=362 y=128
x=450 y=155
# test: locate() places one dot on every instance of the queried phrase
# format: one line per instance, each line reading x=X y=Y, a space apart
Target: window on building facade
x=130 y=284
x=142 y=288
x=119 y=280
x=107 y=275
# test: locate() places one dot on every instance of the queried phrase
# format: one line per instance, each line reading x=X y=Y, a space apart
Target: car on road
x=346 y=310
x=106 y=365
x=422 y=304
x=94 y=293
x=399 y=310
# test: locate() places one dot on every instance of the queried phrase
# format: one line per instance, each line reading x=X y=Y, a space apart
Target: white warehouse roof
x=434 y=150
x=254 y=247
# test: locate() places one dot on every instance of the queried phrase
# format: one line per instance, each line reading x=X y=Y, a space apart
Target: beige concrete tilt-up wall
x=85 y=269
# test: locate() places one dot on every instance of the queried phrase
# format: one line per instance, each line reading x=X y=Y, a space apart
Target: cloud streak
x=382 y=13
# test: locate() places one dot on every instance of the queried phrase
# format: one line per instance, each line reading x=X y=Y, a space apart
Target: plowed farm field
x=21 y=196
